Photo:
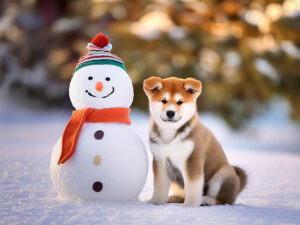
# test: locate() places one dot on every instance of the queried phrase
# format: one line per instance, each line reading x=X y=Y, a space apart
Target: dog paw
x=175 y=199
x=157 y=201
x=208 y=201
x=191 y=203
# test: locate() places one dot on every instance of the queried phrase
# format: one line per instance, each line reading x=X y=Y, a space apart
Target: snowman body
x=110 y=161
x=109 y=164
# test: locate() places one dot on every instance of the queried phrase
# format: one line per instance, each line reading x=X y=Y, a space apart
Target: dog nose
x=170 y=114
x=99 y=86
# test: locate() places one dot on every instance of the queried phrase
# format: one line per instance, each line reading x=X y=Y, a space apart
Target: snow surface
x=27 y=195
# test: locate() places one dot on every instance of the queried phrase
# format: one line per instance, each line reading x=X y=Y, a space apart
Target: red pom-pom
x=100 y=40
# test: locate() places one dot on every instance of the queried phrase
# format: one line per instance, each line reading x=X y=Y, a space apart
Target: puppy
x=186 y=155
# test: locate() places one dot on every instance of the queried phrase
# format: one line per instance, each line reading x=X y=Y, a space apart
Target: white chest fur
x=177 y=152
x=172 y=144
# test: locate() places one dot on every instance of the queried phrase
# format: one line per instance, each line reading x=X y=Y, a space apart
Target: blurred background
x=246 y=53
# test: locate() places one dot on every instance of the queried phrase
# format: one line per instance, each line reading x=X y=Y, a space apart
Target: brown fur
x=175 y=199
x=155 y=170
x=178 y=193
x=154 y=86
x=242 y=177
x=208 y=157
x=209 y=152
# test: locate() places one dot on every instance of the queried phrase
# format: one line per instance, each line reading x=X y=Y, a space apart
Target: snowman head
x=100 y=79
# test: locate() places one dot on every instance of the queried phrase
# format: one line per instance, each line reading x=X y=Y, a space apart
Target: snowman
x=99 y=157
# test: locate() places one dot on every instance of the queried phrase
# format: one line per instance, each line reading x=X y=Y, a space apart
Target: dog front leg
x=193 y=187
x=161 y=183
x=193 y=192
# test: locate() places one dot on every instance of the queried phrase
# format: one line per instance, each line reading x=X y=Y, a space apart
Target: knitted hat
x=99 y=54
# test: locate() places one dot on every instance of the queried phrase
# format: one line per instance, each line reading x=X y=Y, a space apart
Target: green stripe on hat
x=101 y=62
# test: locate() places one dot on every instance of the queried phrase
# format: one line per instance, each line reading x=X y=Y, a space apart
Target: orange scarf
x=79 y=117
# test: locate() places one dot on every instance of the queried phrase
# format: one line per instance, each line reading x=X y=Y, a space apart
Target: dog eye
x=179 y=102
x=90 y=78
x=164 y=101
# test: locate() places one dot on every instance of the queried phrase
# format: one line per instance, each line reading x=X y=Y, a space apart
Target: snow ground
x=28 y=197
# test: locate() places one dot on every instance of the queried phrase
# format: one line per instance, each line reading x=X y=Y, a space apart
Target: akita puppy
x=186 y=155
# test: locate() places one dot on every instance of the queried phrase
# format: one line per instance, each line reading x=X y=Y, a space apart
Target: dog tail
x=242 y=176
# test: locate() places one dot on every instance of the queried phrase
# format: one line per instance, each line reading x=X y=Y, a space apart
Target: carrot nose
x=99 y=86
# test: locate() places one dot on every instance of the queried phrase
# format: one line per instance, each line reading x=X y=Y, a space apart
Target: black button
x=99 y=134
x=97 y=186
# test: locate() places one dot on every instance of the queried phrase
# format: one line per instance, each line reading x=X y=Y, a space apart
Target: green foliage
x=244 y=52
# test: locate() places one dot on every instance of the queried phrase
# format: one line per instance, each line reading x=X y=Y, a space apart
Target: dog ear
x=193 y=86
x=152 y=85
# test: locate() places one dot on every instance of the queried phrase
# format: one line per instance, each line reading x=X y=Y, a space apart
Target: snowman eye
x=107 y=78
x=90 y=78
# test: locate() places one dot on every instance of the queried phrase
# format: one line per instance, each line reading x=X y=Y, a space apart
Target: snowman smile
x=90 y=94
